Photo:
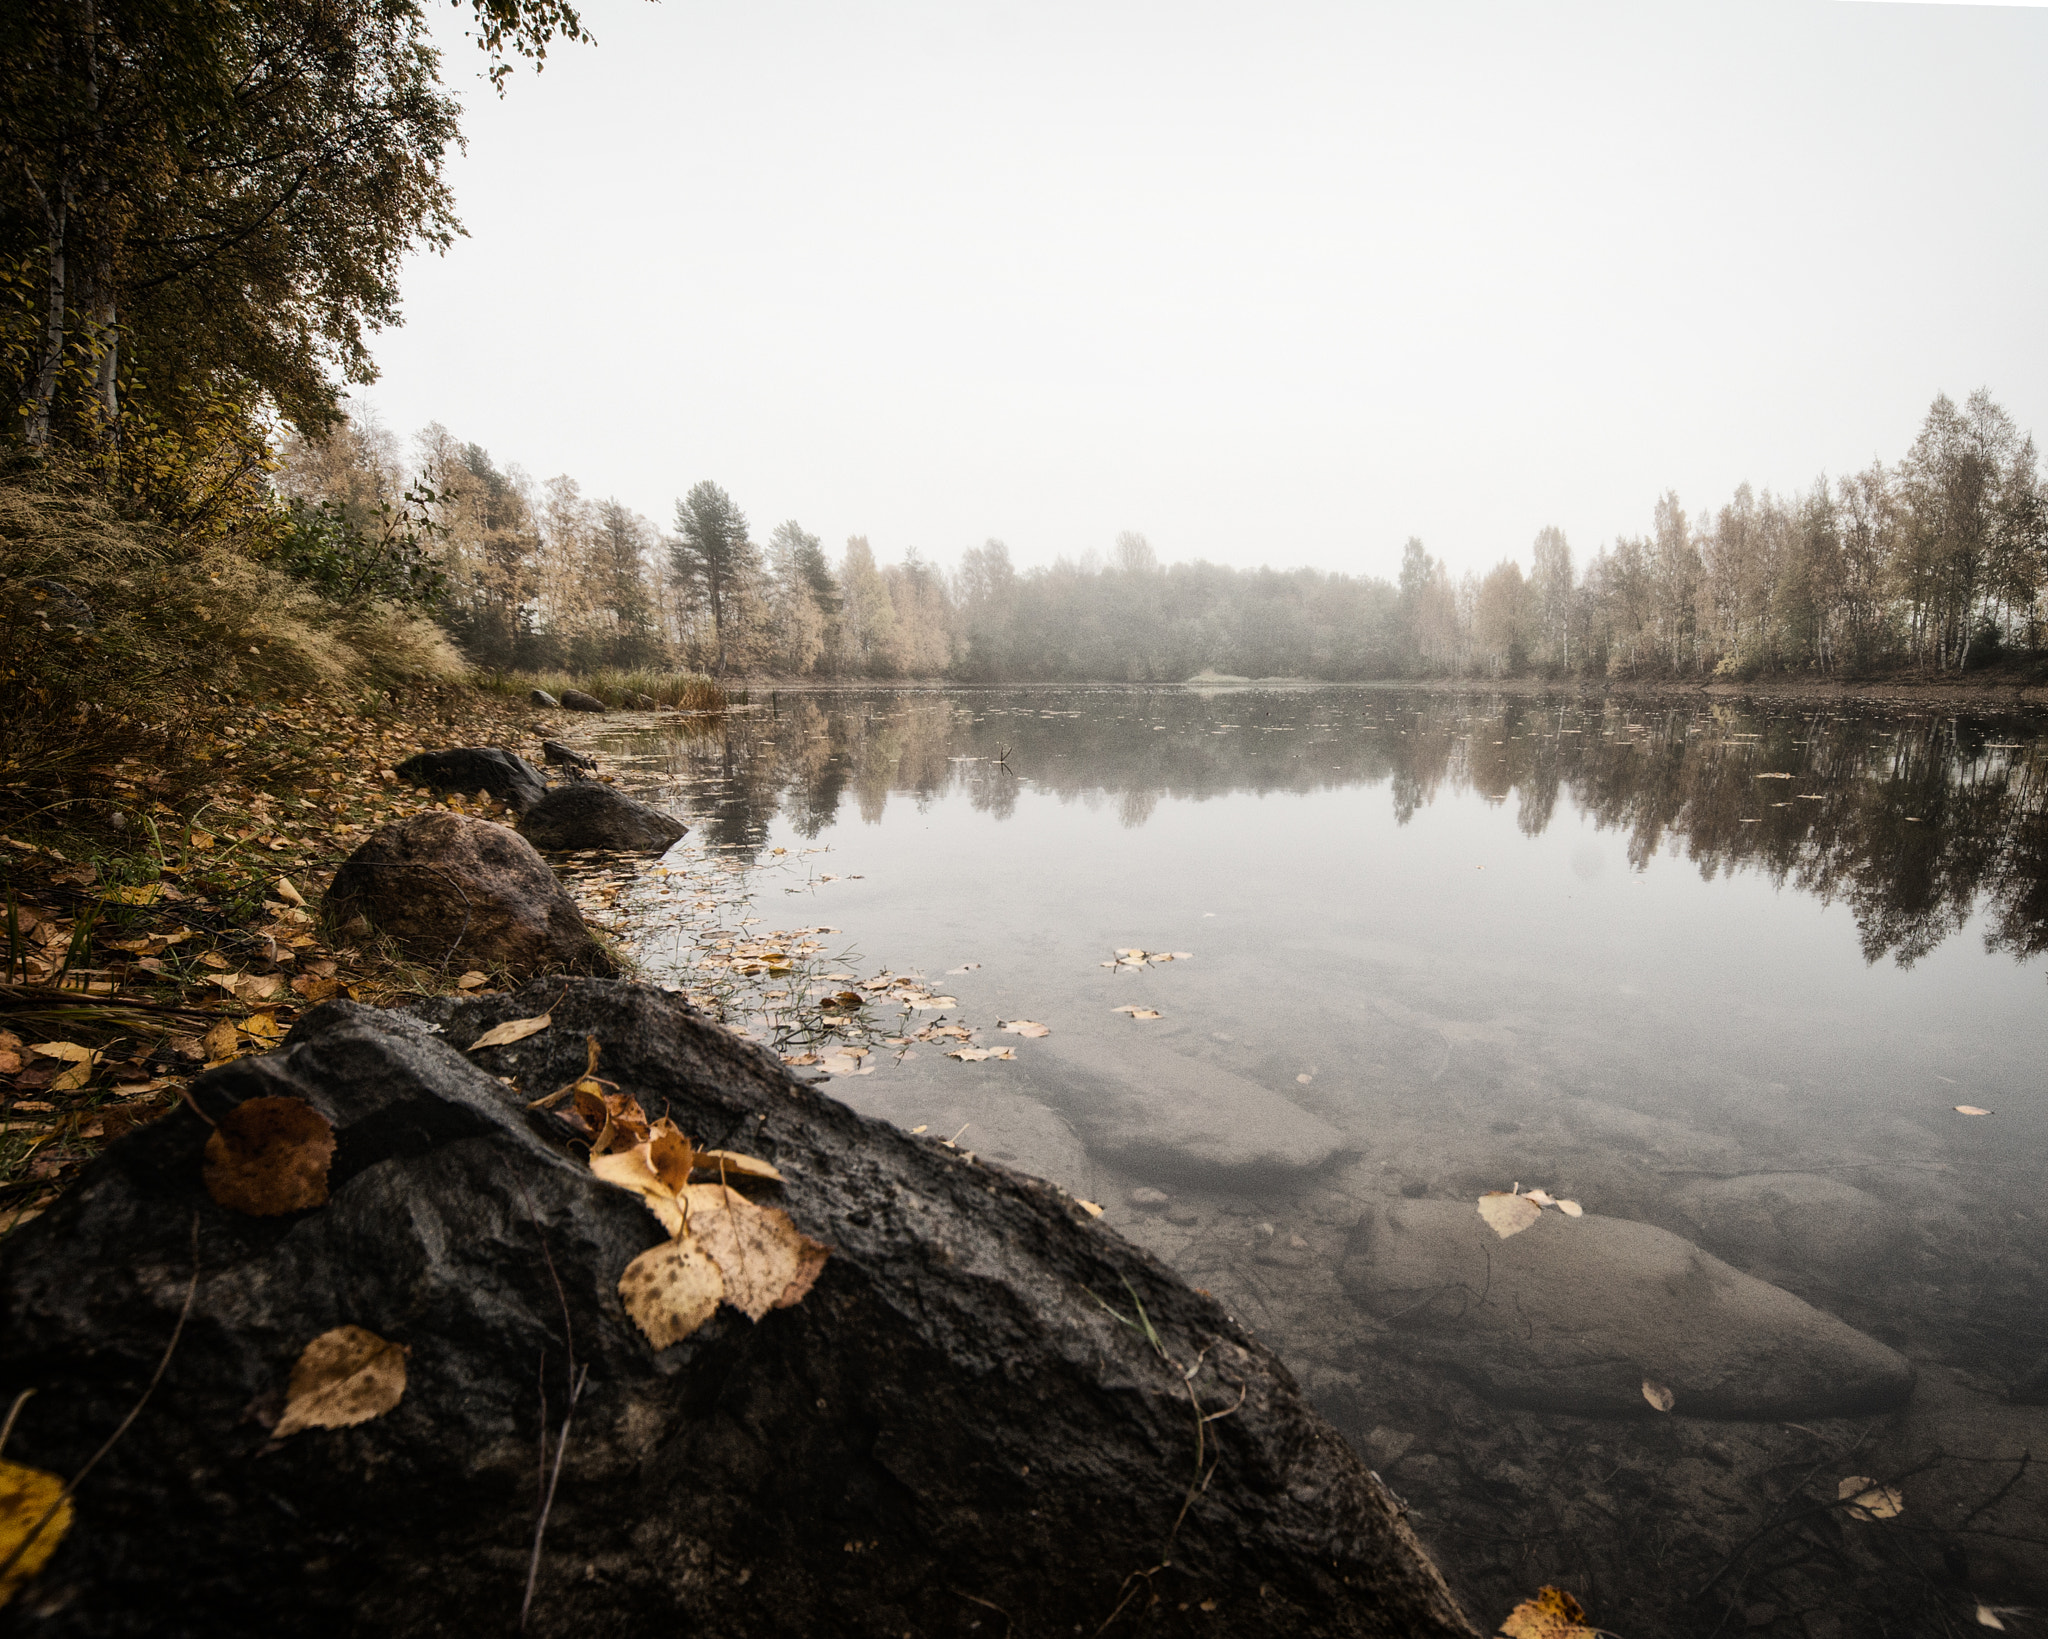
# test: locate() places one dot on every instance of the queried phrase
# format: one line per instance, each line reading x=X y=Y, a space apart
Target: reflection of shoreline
x=1995 y=691
x=1913 y=818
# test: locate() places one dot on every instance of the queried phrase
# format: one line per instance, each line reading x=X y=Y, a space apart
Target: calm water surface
x=1439 y=945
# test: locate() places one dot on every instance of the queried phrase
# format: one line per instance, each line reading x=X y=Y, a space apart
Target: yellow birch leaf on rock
x=1571 y=1209
x=767 y=1262
x=343 y=1377
x=1508 y=1214
x=735 y=1165
x=269 y=1156
x=25 y=1496
x=1868 y=1500
x=1025 y=1027
x=634 y=1169
x=1552 y=1614
x=1136 y=1011
x=671 y=1289
x=1971 y=1109
x=968 y=1055
x=1658 y=1395
x=503 y=1035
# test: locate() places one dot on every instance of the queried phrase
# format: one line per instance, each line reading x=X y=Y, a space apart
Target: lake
x=1717 y=973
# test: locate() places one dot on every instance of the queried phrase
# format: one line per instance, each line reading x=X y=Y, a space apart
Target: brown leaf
x=503 y=1035
x=343 y=1377
x=270 y=1156
x=767 y=1262
x=1506 y=1213
x=25 y=1496
x=1552 y=1614
x=1658 y=1395
x=315 y=987
x=285 y=891
x=670 y=1290
x=472 y=980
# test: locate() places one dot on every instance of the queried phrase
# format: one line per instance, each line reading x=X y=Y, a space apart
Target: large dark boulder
x=952 y=1433
x=589 y=814
x=469 y=769
x=577 y=700
x=450 y=890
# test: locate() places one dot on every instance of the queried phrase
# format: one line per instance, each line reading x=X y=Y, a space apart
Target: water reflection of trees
x=1911 y=821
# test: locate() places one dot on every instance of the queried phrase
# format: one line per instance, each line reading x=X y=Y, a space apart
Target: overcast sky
x=1271 y=282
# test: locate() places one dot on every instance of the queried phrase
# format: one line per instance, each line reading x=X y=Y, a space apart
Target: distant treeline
x=1937 y=562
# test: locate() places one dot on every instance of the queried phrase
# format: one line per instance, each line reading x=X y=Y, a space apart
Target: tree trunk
x=56 y=213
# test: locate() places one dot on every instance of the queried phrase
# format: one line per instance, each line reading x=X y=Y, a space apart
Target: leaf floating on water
x=1658 y=1395
x=343 y=1377
x=1507 y=1213
x=1971 y=1109
x=1024 y=1027
x=25 y=1497
x=767 y=1262
x=671 y=1289
x=1552 y=1614
x=503 y=1035
x=269 y=1156
x=1868 y=1500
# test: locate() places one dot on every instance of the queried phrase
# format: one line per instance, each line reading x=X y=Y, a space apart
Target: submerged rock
x=590 y=815
x=469 y=769
x=1573 y=1314
x=1139 y=1103
x=948 y=1425
x=577 y=700
x=1795 y=1223
x=448 y=889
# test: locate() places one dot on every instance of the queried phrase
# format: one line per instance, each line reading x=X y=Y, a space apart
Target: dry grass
x=678 y=691
x=180 y=634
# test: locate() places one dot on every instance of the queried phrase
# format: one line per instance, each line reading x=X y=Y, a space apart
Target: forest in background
x=1938 y=563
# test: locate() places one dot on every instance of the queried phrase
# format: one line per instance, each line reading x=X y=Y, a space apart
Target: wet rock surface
x=449 y=889
x=1572 y=1315
x=949 y=1413
x=469 y=769
x=589 y=814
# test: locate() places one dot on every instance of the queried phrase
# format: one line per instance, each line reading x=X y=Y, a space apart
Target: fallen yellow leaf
x=512 y=1030
x=25 y=1497
x=1552 y=1614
